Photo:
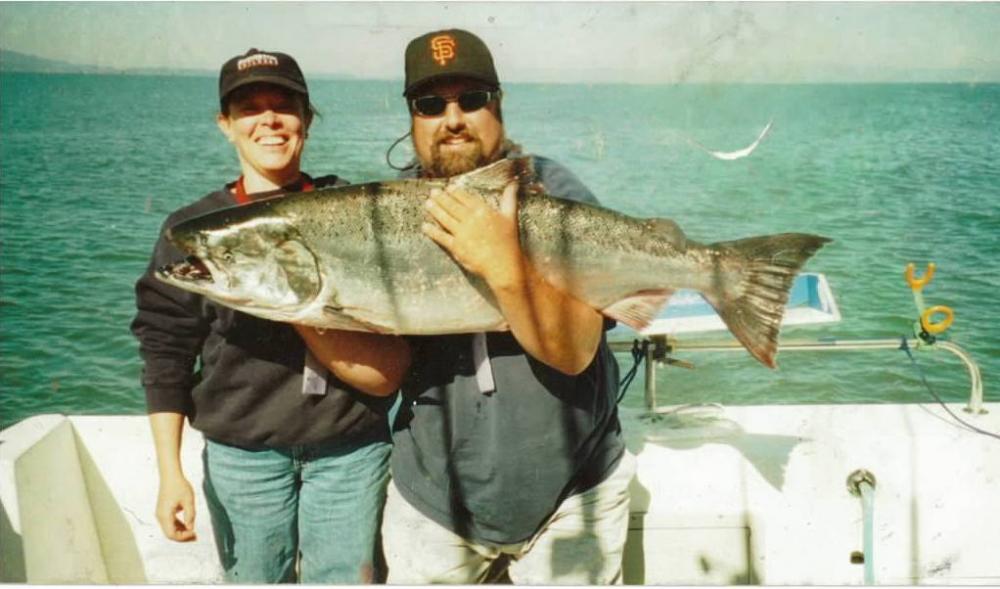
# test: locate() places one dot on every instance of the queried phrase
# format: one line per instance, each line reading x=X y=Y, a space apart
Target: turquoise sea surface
x=91 y=165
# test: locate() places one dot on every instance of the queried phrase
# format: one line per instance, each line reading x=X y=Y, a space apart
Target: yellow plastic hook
x=918 y=284
x=940 y=326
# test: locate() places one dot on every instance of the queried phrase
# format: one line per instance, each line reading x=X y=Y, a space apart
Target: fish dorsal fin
x=638 y=309
x=668 y=231
x=498 y=174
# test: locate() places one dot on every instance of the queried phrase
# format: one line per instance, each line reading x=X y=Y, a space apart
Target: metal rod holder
x=661 y=345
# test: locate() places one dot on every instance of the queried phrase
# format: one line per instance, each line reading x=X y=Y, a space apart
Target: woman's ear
x=222 y=120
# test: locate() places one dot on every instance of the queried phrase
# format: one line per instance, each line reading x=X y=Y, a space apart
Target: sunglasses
x=471 y=101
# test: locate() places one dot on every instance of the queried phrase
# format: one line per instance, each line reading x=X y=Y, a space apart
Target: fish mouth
x=193 y=275
x=192 y=269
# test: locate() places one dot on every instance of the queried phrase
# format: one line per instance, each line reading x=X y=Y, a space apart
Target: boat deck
x=760 y=494
x=734 y=495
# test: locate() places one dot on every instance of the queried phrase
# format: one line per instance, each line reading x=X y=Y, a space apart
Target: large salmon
x=354 y=257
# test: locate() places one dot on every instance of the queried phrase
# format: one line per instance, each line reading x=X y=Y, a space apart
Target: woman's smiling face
x=267 y=125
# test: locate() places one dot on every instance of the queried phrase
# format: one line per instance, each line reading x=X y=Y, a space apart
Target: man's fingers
x=448 y=201
x=463 y=197
x=440 y=236
x=440 y=214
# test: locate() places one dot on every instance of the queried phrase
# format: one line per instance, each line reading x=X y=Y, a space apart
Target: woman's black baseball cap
x=261 y=67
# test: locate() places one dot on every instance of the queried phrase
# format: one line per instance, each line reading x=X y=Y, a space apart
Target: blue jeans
x=323 y=501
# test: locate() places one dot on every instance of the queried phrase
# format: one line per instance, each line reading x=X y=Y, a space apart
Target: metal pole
x=651 y=378
x=975 y=404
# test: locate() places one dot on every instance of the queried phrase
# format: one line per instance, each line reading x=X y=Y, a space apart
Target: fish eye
x=228 y=257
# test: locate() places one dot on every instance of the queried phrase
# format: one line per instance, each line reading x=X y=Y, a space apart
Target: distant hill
x=14 y=61
x=163 y=71
x=17 y=62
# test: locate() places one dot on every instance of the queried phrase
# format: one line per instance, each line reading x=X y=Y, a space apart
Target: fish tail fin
x=752 y=306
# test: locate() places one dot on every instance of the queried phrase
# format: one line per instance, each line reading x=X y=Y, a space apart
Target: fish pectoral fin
x=339 y=319
x=638 y=309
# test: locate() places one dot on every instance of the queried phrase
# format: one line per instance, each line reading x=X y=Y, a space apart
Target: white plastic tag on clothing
x=484 y=371
x=313 y=376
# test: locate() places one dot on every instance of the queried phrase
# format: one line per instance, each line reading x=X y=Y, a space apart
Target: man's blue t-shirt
x=493 y=466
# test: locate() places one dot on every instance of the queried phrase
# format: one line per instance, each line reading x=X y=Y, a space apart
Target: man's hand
x=176 y=499
x=480 y=238
x=551 y=325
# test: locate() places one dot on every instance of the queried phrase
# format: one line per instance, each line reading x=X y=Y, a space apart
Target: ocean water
x=91 y=165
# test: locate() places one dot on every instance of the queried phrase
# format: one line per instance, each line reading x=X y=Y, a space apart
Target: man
x=507 y=444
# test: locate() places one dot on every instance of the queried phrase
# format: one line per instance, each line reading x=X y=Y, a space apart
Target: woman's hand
x=175 y=508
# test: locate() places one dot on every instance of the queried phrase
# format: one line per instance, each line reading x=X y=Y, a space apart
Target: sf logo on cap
x=443 y=48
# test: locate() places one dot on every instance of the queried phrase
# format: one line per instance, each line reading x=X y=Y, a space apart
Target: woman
x=296 y=453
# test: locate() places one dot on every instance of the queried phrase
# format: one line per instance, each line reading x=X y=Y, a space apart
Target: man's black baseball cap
x=452 y=52
x=261 y=67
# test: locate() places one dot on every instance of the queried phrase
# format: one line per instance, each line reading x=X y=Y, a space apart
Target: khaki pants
x=580 y=544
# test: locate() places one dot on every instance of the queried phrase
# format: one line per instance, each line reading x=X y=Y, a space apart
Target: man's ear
x=224 y=124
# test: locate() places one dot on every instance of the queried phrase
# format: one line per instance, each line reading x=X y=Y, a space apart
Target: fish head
x=256 y=263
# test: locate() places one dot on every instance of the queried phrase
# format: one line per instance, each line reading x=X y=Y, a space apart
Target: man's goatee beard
x=452 y=163
x=446 y=163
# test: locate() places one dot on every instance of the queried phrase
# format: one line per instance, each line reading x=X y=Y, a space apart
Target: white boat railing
x=811 y=302
x=658 y=348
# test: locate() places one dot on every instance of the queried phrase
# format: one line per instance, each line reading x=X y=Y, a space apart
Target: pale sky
x=644 y=42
